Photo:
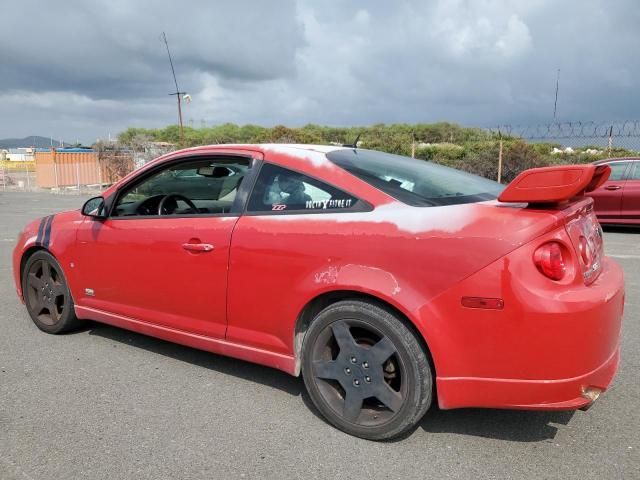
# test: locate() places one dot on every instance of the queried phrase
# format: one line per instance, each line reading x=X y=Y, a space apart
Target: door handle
x=197 y=247
x=612 y=187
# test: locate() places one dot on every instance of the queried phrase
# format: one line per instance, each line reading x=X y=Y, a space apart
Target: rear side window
x=617 y=170
x=279 y=189
x=635 y=174
x=415 y=182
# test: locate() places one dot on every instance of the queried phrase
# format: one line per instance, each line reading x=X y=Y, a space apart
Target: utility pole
x=500 y=158
x=555 y=103
x=177 y=93
x=178 y=96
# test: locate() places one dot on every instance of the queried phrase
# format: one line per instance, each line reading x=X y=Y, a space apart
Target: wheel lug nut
x=365 y=365
x=347 y=371
x=356 y=382
x=367 y=379
x=354 y=359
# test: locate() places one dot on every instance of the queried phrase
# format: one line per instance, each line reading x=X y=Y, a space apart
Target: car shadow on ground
x=510 y=425
x=227 y=365
x=515 y=426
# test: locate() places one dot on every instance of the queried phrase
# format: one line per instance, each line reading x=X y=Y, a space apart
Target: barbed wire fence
x=501 y=153
x=589 y=131
x=566 y=142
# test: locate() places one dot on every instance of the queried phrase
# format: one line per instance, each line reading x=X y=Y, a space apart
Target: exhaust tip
x=591 y=394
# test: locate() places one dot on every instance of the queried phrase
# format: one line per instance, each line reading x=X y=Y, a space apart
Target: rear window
x=415 y=182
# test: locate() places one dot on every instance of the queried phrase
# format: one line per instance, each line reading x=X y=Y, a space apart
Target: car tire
x=46 y=294
x=366 y=371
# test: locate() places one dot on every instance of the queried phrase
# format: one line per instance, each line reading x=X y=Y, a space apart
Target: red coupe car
x=387 y=282
x=617 y=201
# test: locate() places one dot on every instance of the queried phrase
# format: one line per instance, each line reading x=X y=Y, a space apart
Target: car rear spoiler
x=555 y=184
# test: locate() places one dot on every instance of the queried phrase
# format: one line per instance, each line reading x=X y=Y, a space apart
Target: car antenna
x=354 y=144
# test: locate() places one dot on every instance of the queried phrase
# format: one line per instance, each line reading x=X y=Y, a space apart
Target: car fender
x=55 y=234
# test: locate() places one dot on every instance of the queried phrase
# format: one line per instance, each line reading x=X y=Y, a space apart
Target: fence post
x=500 y=158
x=78 y=175
x=413 y=145
x=99 y=171
x=55 y=168
x=26 y=166
x=610 y=139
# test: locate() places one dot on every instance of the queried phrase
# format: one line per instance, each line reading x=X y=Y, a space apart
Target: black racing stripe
x=40 y=230
x=47 y=232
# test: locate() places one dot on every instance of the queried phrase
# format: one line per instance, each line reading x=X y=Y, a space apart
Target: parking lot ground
x=104 y=403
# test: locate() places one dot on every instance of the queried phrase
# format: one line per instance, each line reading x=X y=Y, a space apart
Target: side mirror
x=95 y=208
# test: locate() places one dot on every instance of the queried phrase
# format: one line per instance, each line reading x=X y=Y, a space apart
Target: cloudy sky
x=87 y=69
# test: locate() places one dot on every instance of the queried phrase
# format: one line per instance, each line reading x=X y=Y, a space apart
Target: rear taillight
x=586 y=237
x=550 y=261
x=586 y=253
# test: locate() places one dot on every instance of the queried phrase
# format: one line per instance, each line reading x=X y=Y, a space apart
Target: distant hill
x=34 y=141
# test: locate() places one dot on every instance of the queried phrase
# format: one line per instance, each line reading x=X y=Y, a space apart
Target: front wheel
x=366 y=371
x=46 y=294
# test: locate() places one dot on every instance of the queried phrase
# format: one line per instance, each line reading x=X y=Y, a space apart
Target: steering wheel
x=162 y=209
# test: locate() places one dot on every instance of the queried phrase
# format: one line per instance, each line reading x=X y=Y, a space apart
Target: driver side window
x=199 y=187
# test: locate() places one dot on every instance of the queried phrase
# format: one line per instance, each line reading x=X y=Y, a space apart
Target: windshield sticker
x=331 y=203
x=276 y=207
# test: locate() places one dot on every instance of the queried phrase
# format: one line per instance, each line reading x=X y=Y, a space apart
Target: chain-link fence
x=86 y=171
x=63 y=176
x=563 y=143
x=17 y=175
x=497 y=153
x=503 y=152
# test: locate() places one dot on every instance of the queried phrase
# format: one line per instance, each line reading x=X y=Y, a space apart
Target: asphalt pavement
x=105 y=403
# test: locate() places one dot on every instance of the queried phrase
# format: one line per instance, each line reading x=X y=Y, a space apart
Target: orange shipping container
x=68 y=169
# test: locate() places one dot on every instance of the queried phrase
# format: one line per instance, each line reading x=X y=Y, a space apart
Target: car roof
x=300 y=146
x=291 y=148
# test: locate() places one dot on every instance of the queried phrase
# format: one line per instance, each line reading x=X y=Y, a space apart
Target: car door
x=608 y=198
x=282 y=237
x=164 y=265
x=630 y=210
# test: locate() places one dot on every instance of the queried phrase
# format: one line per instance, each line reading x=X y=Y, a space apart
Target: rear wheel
x=366 y=371
x=47 y=294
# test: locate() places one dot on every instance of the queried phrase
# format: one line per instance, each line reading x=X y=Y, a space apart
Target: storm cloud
x=79 y=69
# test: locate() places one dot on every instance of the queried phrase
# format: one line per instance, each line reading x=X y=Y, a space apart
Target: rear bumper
x=547 y=346
x=563 y=394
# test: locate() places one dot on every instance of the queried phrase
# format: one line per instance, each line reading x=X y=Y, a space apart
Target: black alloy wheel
x=366 y=371
x=47 y=295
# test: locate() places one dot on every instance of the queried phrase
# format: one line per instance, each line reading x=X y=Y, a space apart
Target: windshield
x=415 y=182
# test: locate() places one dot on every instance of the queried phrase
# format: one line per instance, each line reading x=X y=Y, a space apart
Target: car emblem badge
x=89 y=292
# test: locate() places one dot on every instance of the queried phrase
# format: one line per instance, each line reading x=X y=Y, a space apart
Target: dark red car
x=387 y=282
x=617 y=201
